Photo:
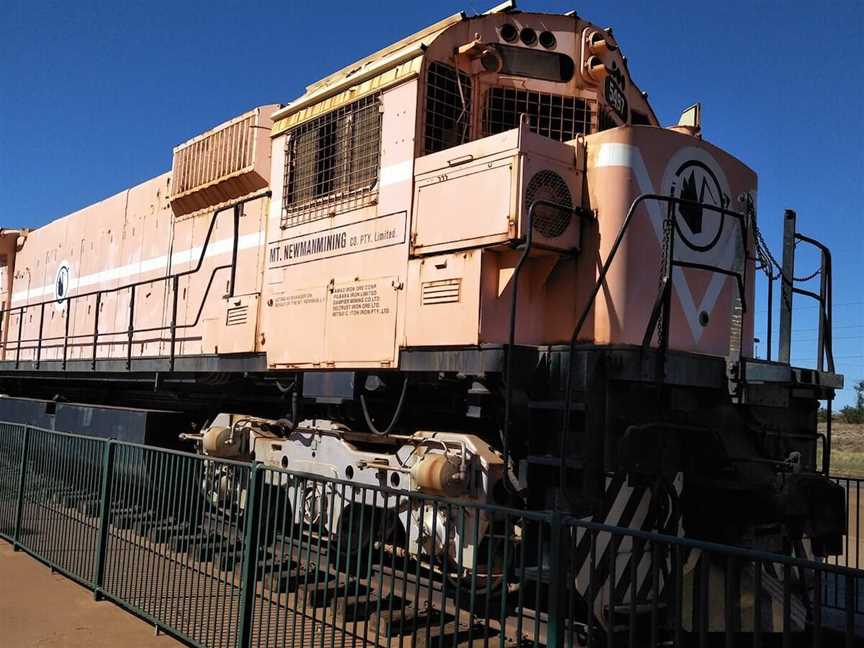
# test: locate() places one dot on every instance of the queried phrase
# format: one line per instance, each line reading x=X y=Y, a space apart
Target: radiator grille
x=443 y=291
x=220 y=154
x=448 y=107
x=554 y=116
x=237 y=315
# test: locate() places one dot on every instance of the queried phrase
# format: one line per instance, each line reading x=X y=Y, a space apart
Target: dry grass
x=847 y=449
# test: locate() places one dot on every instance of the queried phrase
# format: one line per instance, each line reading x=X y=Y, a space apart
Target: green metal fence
x=221 y=553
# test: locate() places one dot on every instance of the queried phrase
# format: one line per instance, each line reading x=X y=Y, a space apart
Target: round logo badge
x=62 y=282
x=699 y=228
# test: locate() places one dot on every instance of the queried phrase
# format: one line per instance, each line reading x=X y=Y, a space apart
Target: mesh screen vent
x=554 y=116
x=331 y=162
x=548 y=185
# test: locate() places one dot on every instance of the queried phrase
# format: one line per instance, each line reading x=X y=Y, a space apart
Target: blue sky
x=93 y=96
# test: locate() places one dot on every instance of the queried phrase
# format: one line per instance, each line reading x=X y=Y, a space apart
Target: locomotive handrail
x=671 y=201
x=786 y=274
x=130 y=331
x=824 y=298
x=511 y=339
x=149 y=329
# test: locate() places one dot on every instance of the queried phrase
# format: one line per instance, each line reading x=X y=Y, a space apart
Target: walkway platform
x=45 y=610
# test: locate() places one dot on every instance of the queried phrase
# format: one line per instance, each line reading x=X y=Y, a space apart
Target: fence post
x=104 y=512
x=19 y=504
x=557 y=580
x=250 y=558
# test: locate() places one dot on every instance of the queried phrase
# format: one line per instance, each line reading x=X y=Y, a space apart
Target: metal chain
x=668 y=230
x=767 y=260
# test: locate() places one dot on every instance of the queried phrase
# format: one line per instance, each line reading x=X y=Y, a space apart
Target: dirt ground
x=847 y=460
x=45 y=610
x=847 y=449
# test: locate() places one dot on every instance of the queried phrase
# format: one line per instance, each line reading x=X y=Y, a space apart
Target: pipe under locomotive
x=472 y=264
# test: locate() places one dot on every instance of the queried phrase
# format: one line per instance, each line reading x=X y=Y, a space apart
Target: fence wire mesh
x=227 y=554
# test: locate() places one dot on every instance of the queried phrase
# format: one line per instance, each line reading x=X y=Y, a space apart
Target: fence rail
x=853 y=544
x=221 y=553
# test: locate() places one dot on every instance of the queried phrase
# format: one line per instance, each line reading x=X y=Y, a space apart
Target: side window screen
x=555 y=116
x=331 y=162
x=448 y=107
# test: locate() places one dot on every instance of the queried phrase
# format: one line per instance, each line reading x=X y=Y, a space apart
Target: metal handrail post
x=19 y=504
x=824 y=300
x=768 y=335
x=234 y=245
x=786 y=287
x=39 y=343
x=95 y=328
x=18 y=345
x=104 y=512
x=250 y=558
x=68 y=314
x=130 y=331
x=829 y=315
x=823 y=320
x=175 y=287
x=557 y=581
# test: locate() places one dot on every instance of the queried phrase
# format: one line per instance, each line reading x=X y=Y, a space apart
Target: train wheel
x=363 y=534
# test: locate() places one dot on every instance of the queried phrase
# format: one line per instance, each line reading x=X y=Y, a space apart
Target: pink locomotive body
x=402 y=232
x=468 y=258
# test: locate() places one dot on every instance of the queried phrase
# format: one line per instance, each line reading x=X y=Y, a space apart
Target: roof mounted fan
x=549 y=221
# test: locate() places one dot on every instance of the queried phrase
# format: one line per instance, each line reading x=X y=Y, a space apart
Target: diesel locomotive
x=472 y=264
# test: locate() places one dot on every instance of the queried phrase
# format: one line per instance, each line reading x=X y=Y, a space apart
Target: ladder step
x=556 y=405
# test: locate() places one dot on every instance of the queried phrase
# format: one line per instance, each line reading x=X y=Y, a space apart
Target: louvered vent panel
x=225 y=163
x=237 y=315
x=444 y=291
x=219 y=154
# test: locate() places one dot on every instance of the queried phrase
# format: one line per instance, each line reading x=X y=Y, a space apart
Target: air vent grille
x=443 y=291
x=548 y=185
x=219 y=154
x=227 y=162
x=237 y=315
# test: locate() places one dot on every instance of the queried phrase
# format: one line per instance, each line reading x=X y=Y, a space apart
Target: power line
x=815 y=306
x=834 y=328
x=834 y=338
